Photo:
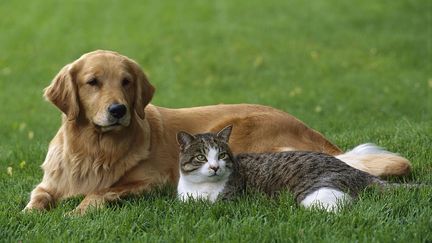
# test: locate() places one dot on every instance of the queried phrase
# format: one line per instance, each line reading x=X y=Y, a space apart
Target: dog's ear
x=144 y=90
x=62 y=93
x=225 y=133
x=184 y=138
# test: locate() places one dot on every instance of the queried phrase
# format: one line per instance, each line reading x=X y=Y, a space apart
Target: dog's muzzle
x=117 y=110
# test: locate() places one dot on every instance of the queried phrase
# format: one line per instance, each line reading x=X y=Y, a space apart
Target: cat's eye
x=223 y=155
x=200 y=157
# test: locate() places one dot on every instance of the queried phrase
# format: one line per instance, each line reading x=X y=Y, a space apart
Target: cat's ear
x=225 y=133
x=184 y=138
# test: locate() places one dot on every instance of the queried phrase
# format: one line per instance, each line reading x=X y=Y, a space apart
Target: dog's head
x=104 y=87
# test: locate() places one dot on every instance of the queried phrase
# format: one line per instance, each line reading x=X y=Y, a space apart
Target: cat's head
x=205 y=157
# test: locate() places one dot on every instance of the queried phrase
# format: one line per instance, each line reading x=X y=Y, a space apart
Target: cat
x=209 y=170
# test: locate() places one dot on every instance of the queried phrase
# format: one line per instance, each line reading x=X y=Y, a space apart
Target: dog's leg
x=40 y=199
x=98 y=199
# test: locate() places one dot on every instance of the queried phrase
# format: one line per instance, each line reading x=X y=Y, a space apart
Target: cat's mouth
x=215 y=174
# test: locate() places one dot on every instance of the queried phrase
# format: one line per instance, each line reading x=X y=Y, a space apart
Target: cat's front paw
x=185 y=197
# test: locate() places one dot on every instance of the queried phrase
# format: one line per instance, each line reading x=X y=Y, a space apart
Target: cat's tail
x=376 y=161
x=384 y=185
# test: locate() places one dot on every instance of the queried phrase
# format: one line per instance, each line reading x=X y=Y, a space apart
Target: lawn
x=356 y=71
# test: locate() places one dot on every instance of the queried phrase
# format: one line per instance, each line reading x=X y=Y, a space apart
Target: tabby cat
x=210 y=171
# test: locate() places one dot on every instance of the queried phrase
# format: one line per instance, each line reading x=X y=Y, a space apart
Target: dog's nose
x=117 y=110
x=214 y=168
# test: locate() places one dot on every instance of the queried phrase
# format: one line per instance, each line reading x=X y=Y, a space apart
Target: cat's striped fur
x=209 y=170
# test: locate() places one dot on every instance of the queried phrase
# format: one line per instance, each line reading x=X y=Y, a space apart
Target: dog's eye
x=92 y=82
x=125 y=82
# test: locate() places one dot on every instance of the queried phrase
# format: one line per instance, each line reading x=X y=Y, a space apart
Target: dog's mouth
x=111 y=124
x=108 y=128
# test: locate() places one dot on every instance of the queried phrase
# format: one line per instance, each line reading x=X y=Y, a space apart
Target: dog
x=113 y=143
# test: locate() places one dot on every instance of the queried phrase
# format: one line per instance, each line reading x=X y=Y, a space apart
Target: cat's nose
x=214 y=168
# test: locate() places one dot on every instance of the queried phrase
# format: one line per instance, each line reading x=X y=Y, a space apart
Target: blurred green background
x=355 y=71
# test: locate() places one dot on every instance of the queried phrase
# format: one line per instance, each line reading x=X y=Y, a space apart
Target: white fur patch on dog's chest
x=208 y=191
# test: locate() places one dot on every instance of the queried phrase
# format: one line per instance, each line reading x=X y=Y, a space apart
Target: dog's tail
x=376 y=160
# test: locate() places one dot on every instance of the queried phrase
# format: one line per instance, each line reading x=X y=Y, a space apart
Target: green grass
x=356 y=71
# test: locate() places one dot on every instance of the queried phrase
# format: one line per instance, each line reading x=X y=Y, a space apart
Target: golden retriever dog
x=113 y=143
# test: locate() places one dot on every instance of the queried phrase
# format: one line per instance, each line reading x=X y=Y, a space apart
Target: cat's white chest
x=206 y=190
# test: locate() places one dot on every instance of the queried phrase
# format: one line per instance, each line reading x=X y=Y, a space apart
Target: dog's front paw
x=91 y=202
x=30 y=210
x=31 y=207
x=78 y=211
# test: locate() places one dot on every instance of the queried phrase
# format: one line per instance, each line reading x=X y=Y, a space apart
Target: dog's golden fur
x=92 y=156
